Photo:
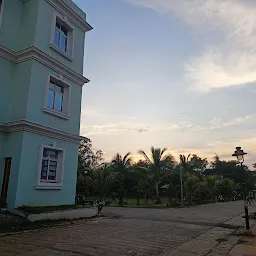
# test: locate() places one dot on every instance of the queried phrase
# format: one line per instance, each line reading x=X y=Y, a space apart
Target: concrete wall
x=37 y=90
x=13 y=148
x=44 y=30
x=26 y=24
x=2 y=141
x=19 y=90
x=11 y=21
x=6 y=71
x=27 y=194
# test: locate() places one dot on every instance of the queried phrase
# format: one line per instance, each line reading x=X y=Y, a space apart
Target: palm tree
x=157 y=163
x=102 y=179
x=184 y=162
x=121 y=167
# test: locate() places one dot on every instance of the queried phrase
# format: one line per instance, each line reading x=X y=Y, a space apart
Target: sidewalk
x=246 y=246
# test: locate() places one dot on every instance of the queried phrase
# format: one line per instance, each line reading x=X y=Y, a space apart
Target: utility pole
x=181 y=186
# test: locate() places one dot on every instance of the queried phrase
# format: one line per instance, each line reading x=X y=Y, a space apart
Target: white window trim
x=64 y=19
x=1 y=14
x=66 y=102
x=50 y=185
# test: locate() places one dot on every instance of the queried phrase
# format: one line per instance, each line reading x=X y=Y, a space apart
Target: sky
x=179 y=74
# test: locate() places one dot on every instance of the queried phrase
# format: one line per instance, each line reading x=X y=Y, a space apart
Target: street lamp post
x=239 y=154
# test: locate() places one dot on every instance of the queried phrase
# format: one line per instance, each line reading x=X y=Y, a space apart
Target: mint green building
x=41 y=80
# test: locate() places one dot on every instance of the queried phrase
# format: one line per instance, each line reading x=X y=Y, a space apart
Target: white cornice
x=43 y=58
x=66 y=10
x=27 y=126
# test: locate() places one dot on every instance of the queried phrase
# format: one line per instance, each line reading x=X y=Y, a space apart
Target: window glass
x=45 y=152
x=52 y=170
x=55 y=96
x=61 y=36
x=63 y=42
x=58 y=25
x=52 y=85
x=44 y=169
x=59 y=88
x=58 y=101
x=53 y=154
x=56 y=37
x=64 y=30
x=50 y=100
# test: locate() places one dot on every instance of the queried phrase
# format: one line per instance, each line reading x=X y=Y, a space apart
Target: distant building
x=41 y=67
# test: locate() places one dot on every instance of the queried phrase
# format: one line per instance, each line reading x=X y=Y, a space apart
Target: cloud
x=230 y=26
x=115 y=128
x=184 y=123
x=217 y=123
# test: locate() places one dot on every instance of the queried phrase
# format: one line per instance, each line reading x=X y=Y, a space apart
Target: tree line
x=158 y=175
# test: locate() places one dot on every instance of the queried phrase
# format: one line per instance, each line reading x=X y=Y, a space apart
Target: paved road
x=211 y=214
x=137 y=232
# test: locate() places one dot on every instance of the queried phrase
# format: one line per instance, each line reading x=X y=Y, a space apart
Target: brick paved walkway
x=106 y=237
x=156 y=234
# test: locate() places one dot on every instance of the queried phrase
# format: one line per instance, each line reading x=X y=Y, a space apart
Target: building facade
x=41 y=80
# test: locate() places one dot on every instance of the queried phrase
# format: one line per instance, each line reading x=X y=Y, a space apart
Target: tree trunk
x=138 y=200
x=158 y=200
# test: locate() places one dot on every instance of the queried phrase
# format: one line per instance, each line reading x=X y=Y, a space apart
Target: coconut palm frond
x=127 y=159
x=141 y=152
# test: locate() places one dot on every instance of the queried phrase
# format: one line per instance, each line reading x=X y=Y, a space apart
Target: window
x=62 y=37
x=51 y=167
x=57 y=98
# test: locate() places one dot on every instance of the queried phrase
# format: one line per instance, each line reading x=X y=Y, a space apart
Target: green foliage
x=88 y=161
x=159 y=164
x=120 y=168
x=191 y=185
x=159 y=175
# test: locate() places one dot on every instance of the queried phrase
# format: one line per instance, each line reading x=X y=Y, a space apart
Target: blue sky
x=176 y=74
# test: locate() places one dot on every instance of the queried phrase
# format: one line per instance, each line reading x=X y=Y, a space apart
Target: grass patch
x=251 y=215
x=132 y=203
x=41 y=224
x=45 y=209
x=151 y=206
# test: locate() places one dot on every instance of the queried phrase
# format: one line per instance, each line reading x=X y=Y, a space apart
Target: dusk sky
x=179 y=74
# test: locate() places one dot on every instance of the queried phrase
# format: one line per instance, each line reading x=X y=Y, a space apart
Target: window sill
x=65 y=55
x=49 y=186
x=55 y=113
